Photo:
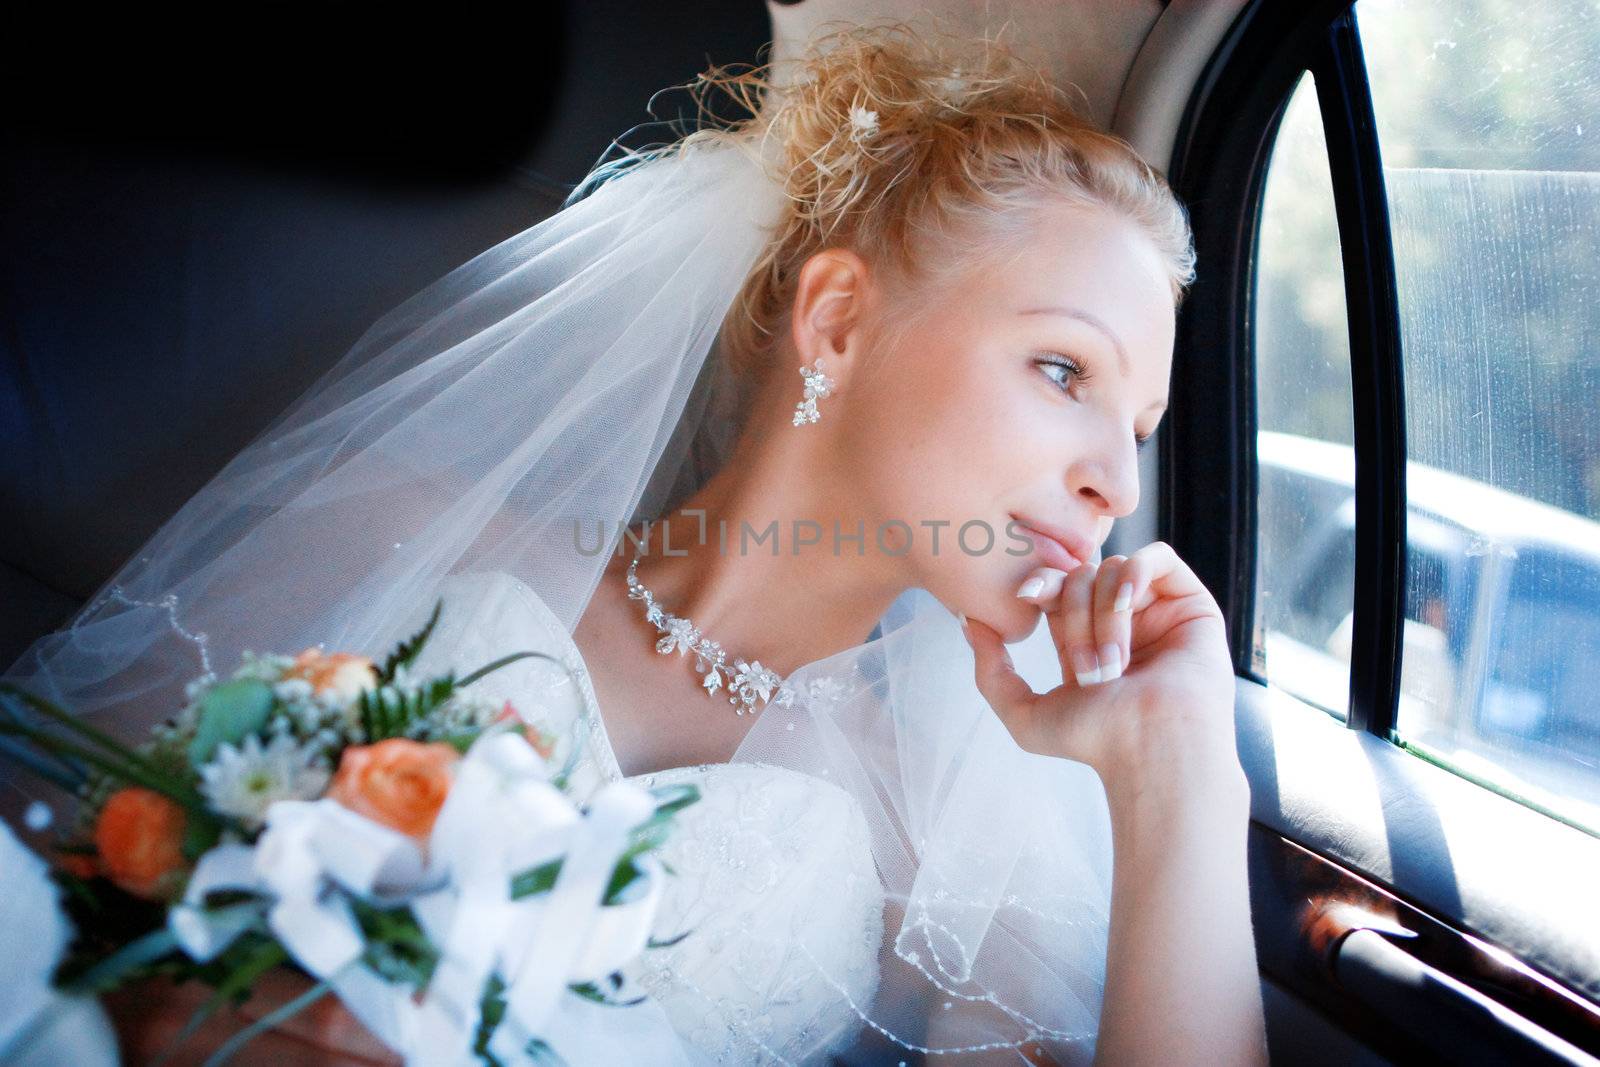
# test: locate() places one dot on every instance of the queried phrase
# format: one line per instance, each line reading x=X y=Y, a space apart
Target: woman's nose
x=1109 y=482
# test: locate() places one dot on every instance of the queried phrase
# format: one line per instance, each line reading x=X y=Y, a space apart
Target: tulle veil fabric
x=569 y=376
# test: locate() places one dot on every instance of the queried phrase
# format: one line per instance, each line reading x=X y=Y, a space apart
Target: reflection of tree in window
x=1488 y=113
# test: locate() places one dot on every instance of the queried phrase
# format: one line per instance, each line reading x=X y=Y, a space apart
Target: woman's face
x=1015 y=403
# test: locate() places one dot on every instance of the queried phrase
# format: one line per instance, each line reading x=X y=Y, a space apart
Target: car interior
x=1381 y=455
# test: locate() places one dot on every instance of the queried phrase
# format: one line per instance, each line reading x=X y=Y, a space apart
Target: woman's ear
x=829 y=301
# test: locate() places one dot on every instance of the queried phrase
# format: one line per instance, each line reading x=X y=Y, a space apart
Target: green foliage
x=79 y=975
x=68 y=741
x=244 y=962
x=590 y=991
x=387 y=711
x=397 y=949
x=406 y=652
x=229 y=713
x=648 y=836
x=199 y=837
x=491 y=1013
x=669 y=942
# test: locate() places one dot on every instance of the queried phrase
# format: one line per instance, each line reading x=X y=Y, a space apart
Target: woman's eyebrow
x=1086 y=317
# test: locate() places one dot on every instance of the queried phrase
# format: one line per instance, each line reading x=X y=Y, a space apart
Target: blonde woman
x=796 y=442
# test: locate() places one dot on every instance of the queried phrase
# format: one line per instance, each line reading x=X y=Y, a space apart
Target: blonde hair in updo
x=969 y=141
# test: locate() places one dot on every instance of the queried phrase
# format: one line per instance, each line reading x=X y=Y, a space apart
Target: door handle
x=1462 y=1023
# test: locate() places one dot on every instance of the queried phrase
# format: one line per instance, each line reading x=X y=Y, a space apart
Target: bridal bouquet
x=409 y=845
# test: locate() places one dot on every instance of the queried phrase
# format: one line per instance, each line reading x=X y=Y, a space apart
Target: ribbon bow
x=502 y=817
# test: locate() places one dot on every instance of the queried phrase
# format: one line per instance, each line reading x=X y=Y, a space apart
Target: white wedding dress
x=774 y=872
x=878 y=874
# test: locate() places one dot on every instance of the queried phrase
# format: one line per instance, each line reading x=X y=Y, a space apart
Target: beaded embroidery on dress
x=775 y=877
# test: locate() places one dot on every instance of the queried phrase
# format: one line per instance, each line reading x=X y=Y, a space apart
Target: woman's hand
x=1144 y=655
x=1148 y=703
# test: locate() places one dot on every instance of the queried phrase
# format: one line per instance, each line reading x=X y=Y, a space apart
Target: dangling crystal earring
x=818 y=384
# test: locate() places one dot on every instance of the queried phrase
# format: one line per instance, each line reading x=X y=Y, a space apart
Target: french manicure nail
x=1124 y=599
x=1031 y=587
x=1110 y=663
x=1085 y=668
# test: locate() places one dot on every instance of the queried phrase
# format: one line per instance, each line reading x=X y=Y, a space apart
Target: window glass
x=1305 y=472
x=1488 y=117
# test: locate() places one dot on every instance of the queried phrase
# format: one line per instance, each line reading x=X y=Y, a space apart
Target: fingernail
x=1032 y=587
x=964 y=631
x=1110 y=663
x=1124 y=599
x=1085 y=667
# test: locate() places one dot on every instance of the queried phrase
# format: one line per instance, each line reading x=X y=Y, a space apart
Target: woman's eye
x=1063 y=371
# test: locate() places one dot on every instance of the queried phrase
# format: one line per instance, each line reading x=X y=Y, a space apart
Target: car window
x=1305 y=473
x=1488 y=121
x=1534 y=717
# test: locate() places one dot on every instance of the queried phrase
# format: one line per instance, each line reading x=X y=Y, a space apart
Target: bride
x=795 y=442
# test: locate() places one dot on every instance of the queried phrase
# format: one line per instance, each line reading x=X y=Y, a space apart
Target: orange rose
x=399 y=783
x=78 y=865
x=336 y=672
x=140 y=835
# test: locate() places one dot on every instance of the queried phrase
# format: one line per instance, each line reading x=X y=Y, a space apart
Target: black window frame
x=1208 y=454
x=1341 y=814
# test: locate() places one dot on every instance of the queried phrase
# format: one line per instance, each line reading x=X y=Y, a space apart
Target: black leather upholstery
x=162 y=299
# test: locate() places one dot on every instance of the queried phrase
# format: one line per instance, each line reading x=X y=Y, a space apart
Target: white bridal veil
x=563 y=377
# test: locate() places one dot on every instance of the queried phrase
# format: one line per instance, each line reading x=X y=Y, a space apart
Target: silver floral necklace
x=746 y=681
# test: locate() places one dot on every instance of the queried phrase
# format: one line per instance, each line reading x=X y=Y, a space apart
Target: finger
x=1007 y=692
x=1072 y=626
x=1042 y=586
x=1112 y=627
x=1163 y=574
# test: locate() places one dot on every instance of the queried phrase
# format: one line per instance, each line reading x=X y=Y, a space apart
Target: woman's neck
x=752 y=559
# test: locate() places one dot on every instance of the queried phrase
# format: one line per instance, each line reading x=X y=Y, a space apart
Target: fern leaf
x=406 y=652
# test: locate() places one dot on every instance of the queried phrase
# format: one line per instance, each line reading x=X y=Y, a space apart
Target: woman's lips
x=1052 y=549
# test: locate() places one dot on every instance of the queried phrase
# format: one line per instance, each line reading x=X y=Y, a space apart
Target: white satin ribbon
x=502 y=817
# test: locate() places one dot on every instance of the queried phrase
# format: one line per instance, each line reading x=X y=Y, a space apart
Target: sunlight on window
x=1488 y=118
x=1305 y=472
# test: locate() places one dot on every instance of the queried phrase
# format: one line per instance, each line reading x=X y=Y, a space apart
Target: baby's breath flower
x=292 y=690
x=462 y=713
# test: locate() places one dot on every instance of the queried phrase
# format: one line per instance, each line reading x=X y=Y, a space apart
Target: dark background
x=200 y=210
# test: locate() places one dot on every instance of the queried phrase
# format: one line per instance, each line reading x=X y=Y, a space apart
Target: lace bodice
x=775 y=878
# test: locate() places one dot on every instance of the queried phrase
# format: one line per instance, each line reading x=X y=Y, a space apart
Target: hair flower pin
x=950 y=88
x=863 y=124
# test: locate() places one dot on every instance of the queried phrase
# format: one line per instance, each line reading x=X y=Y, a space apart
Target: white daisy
x=245 y=781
